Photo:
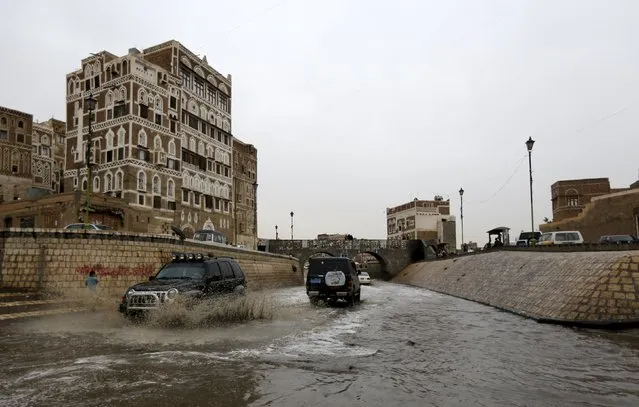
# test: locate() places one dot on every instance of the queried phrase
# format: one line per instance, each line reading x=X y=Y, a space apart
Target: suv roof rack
x=178 y=256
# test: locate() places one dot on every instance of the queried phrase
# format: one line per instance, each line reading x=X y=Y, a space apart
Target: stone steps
x=15 y=304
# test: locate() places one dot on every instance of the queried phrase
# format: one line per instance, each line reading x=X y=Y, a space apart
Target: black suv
x=192 y=275
x=331 y=279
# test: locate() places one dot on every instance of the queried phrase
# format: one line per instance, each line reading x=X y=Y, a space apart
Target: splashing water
x=214 y=311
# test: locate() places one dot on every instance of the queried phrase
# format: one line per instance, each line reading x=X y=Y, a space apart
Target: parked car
x=193 y=276
x=332 y=279
x=211 y=237
x=525 y=237
x=87 y=226
x=618 y=239
x=364 y=278
x=561 y=238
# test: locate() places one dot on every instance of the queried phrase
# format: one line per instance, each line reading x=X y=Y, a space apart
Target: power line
x=254 y=18
x=523 y=159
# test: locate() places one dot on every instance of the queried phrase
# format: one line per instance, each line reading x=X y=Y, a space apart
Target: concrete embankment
x=580 y=288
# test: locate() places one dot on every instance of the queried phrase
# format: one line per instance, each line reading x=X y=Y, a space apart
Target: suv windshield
x=191 y=271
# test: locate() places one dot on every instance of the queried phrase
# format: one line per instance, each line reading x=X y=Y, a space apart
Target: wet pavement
x=402 y=346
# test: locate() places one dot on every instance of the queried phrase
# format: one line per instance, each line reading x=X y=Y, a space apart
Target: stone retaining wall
x=59 y=261
x=580 y=288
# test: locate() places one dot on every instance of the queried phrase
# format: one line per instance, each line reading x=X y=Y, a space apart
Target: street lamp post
x=461 y=214
x=255 y=213
x=277 y=236
x=529 y=146
x=90 y=102
x=292 y=224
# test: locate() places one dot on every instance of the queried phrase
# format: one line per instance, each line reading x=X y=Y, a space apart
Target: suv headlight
x=130 y=292
x=172 y=293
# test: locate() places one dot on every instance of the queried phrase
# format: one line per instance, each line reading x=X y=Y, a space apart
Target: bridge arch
x=380 y=265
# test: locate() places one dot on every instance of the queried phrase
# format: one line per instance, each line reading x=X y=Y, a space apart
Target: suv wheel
x=239 y=290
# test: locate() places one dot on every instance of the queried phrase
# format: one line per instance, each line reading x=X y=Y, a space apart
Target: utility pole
x=529 y=146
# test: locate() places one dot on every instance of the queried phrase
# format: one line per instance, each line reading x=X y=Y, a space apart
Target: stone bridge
x=393 y=255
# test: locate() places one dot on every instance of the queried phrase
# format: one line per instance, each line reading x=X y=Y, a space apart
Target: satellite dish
x=178 y=232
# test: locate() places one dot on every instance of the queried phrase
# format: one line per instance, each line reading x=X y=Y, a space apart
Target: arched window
x=109 y=140
x=84 y=183
x=119 y=178
x=157 y=188
x=142 y=98
x=108 y=182
x=142 y=138
x=3 y=121
x=204 y=114
x=209 y=151
x=157 y=143
x=109 y=98
x=44 y=140
x=192 y=145
x=170 y=189
x=200 y=148
x=141 y=181
x=193 y=107
x=172 y=148
x=20 y=124
x=121 y=137
x=158 y=104
x=96 y=184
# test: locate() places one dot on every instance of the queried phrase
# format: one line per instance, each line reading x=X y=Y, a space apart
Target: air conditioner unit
x=160 y=158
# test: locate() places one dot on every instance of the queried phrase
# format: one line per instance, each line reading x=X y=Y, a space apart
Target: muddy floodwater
x=401 y=346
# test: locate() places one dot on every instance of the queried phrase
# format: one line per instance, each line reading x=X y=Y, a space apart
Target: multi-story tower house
x=245 y=186
x=161 y=136
x=31 y=156
x=15 y=154
x=48 y=155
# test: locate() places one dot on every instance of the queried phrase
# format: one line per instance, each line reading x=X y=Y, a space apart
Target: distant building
x=424 y=220
x=245 y=187
x=593 y=208
x=31 y=156
x=569 y=197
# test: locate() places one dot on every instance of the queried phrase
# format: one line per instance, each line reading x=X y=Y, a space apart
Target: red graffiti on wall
x=100 y=270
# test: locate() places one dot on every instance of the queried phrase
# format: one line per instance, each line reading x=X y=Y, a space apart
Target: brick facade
x=245 y=187
x=161 y=136
x=31 y=156
x=569 y=197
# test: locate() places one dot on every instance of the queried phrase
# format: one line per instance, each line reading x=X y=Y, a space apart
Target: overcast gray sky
x=359 y=105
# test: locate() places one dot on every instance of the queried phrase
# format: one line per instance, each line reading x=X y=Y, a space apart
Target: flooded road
x=401 y=346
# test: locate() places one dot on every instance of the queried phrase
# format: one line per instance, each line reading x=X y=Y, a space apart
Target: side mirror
x=151 y=278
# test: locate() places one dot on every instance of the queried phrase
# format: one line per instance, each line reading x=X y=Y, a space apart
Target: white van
x=563 y=237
